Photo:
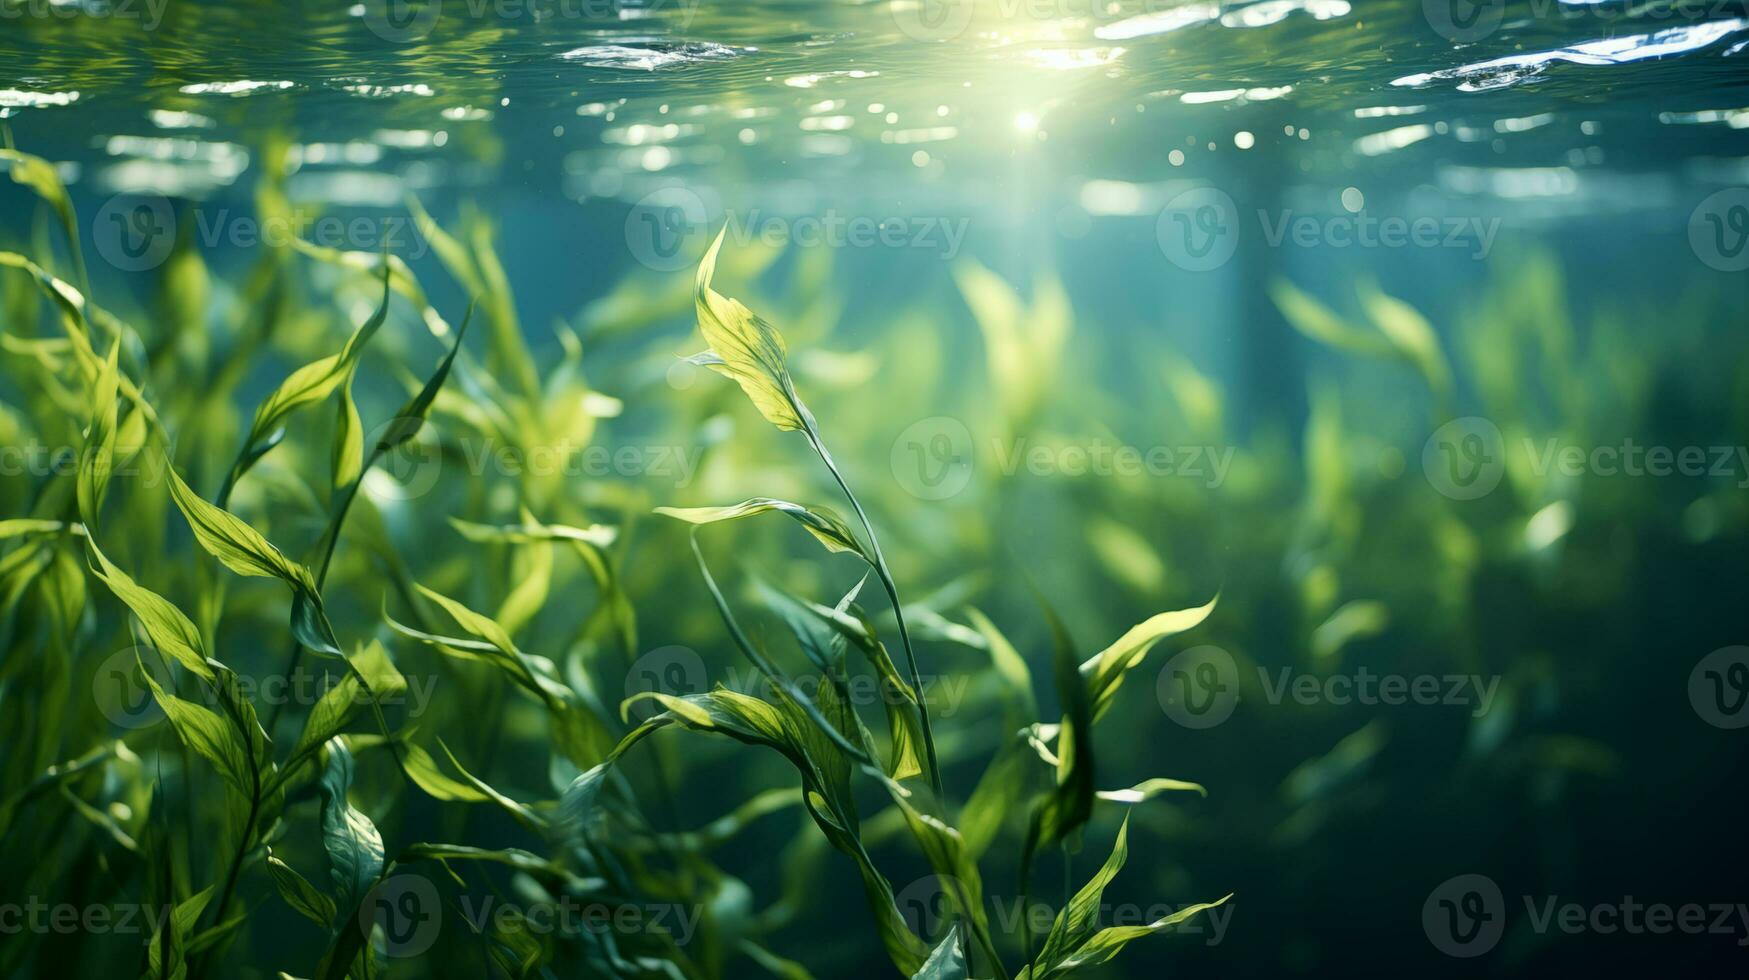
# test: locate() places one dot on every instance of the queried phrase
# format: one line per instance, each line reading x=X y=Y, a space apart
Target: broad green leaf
x=821 y=522
x=23 y=526
x=475 y=623
x=304 y=898
x=823 y=645
x=1076 y=921
x=948 y=962
x=838 y=734
x=234 y=543
x=170 y=631
x=1150 y=788
x=346 y=460
x=317 y=380
x=39 y=175
x=493 y=645
x=1412 y=336
x=1107 y=943
x=1009 y=665
x=509 y=856
x=1070 y=803
x=509 y=348
x=1105 y=671
x=1001 y=792
x=343 y=699
x=97 y=456
x=209 y=735
x=412 y=415
x=746 y=348
x=245 y=551
x=822 y=631
x=428 y=776
x=597 y=535
x=533 y=575
x=355 y=848
x=1073 y=944
x=1023 y=346
x=755 y=722
x=173 y=934
x=955 y=869
x=510 y=806
x=1316 y=321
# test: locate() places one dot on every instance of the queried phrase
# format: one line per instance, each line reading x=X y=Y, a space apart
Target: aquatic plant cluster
x=215 y=797
x=883 y=565
x=319 y=675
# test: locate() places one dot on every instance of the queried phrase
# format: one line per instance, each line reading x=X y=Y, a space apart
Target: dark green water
x=1414 y=330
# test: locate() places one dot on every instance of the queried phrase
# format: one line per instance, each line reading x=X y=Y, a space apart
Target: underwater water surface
x=937 y=488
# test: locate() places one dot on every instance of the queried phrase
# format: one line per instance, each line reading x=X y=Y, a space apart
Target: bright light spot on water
x=1026 y=122
x=1353 y=200
x=1244 y=140
x=1111 y=197
x=920 y=158
x=657 y=157
x=169 y=119
x=747 y=136
x=1392 y=139
x=1176 y=158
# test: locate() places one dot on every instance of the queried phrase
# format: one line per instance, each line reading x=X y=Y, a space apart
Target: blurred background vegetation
x=1366 y=470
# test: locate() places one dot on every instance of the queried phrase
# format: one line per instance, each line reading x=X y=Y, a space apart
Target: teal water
x=1524 y=231
x=1007 y=130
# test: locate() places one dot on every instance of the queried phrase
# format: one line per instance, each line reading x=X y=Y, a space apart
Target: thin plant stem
x=886 y=577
